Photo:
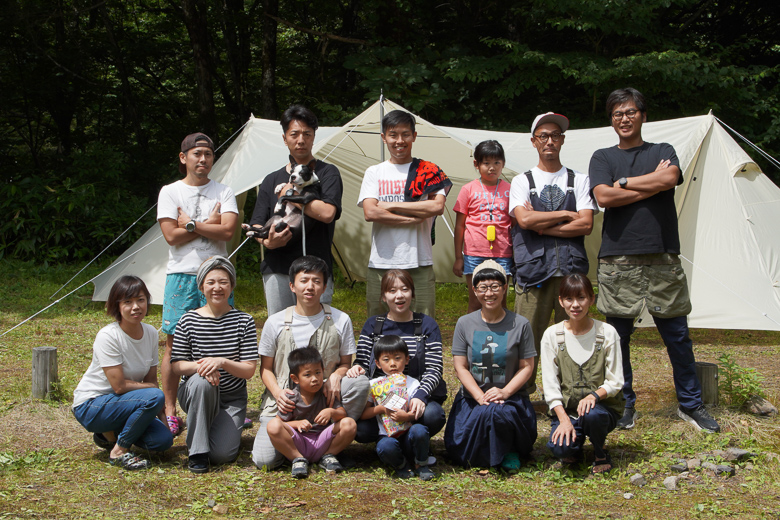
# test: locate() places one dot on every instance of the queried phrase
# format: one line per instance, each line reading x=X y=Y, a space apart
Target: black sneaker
x=700 y=418
x=330 y=463
x=101 y=441
x=628 y=420
x=199 y=463
x=300 y=468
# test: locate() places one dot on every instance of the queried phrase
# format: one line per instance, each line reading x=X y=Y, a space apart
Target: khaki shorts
x=627 y=283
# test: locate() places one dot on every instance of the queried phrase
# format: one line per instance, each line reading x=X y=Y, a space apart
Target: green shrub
x=738 y=383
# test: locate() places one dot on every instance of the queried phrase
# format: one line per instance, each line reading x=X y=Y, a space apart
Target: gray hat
x=216 y=262
x=490 y=264
x=551 y=117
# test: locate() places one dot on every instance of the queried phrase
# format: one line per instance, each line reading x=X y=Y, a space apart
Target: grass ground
x=49 y=467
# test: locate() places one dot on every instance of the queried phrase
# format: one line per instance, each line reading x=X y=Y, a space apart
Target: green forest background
x=96 y=95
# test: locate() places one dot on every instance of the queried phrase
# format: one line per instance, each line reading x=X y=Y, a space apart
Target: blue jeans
x=679 y=347
x=595 y=425
x=433 y=417
x=133 y=415
x=413 y=444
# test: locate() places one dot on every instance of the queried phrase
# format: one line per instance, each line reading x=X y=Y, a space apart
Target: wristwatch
x=190 y=226
x=622 y=182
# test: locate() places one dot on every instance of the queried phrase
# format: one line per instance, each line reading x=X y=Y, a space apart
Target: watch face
x=190 y=226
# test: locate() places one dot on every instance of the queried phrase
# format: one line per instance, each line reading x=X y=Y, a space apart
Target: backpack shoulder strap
x=378 y=325
x=417 y=320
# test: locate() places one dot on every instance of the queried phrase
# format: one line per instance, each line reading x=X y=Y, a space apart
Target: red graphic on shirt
x=387 y=188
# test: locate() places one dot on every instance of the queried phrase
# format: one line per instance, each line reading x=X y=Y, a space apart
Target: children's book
x=390 y=392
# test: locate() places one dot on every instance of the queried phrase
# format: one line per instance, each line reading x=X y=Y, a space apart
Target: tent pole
x=381 y=116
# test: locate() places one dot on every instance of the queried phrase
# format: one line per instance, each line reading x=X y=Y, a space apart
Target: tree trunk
x=268 y=89
x=195 y=21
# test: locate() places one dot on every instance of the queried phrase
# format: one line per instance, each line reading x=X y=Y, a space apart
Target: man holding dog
x=197 y=216
x=401 y=197
x=299 y=125
x=639 y=262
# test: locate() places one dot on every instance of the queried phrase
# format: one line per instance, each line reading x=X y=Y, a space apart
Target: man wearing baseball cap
x=554 y=212
x=197 y=216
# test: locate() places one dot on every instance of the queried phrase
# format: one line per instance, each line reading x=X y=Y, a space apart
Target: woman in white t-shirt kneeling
x=118 y=399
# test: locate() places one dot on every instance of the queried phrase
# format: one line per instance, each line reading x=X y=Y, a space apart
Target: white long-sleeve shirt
x=580 y=349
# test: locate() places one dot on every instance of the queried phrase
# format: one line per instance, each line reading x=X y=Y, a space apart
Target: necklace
x=487 y=195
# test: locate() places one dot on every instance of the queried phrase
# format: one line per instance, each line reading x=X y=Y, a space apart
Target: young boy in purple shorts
x=313 y=431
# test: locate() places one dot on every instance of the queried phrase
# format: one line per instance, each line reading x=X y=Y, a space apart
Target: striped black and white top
x=232 y=336
x=431 y=375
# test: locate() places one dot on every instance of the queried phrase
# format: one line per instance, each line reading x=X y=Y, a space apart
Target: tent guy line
x=52 y=304
x=131 y=226
x=766 y=156
x=103 y=251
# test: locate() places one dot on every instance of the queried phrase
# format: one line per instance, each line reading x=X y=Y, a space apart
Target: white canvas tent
x=727 y=207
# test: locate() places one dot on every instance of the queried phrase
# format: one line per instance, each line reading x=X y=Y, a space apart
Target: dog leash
x=303 y=227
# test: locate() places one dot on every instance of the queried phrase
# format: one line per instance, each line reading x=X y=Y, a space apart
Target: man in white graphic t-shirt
x=197 y=216
x=554 y=212
x=401 y=197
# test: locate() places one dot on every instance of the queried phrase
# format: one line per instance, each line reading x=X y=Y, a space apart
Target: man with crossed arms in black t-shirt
x=639 y=258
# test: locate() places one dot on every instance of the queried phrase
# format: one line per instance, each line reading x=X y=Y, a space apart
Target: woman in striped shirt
x=423 y=338
x=214 y=352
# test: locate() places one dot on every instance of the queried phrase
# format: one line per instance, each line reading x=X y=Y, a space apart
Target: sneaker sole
x=687 y=418
x=627 y=426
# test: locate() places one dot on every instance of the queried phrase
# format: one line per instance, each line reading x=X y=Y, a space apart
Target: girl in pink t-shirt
x=482 y=224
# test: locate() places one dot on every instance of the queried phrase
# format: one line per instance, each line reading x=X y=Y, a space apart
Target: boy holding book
x=400 y=438
x=312 y=431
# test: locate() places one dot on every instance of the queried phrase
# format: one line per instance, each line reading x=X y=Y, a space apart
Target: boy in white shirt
x=401 y=197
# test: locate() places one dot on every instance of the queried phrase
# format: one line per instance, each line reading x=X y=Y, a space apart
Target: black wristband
x=596 y=395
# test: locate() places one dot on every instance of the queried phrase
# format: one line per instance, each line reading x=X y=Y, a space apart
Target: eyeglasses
x=494 y=288
x=555 y=136
x=630 y=113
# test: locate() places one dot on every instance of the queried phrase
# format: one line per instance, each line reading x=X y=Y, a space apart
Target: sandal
x=130 y=461
x=174 y=424
x=602 y=465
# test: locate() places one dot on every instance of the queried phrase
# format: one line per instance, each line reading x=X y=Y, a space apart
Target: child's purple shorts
x=313 y=445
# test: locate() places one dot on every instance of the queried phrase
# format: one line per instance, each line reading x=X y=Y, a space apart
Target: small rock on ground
x=679 y=468
x=628 y=496
x=760 y=406
x=737 y=454
x=722 y=469
x=638 y=479
x=693 y=463
x=670 y=483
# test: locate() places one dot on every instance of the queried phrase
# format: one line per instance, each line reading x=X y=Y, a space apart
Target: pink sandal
x=174 y=424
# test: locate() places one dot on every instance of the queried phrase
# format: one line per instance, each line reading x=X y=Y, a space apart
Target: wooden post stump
x=44 y=371
x=708 y=377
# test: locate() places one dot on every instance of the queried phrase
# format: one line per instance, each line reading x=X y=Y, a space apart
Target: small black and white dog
x=307 y=187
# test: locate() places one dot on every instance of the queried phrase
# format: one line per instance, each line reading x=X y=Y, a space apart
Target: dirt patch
x=36 y=425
